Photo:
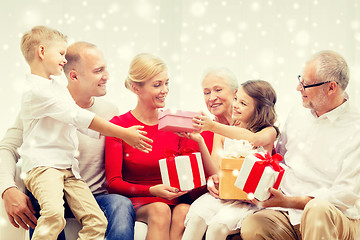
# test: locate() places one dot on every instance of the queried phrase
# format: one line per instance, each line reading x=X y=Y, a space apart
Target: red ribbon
x=195 y=170
x=194 y=164
x=258 y=170
x=172 y=170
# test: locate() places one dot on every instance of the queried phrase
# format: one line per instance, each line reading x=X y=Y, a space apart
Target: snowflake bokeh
x=268 y=40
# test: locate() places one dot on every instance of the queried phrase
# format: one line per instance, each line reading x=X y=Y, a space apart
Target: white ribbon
x=237 y=148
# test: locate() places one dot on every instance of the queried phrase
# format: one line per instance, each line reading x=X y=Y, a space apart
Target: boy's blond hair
x=37 y=36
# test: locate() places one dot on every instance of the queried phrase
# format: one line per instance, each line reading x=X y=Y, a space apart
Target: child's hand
x=203 y=122
x=213 y=185
x=136 y=139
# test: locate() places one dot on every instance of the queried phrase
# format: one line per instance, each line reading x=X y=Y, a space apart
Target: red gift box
x=258 y=173
x=184 y=172
x=176 y=120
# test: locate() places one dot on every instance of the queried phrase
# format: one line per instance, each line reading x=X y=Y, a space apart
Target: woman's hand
x=203 y=122
x=195 y=136
x=166 y=192
x=213 y=185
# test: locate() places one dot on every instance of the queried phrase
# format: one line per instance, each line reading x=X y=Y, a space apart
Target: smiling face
x=154 y=91
x=54 y=57
x=92 y=72
x=218 y=95
x=243 y=107
x=314 y=98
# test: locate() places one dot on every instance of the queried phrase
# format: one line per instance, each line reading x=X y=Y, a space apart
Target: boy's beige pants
x=48 y=185
x=320 y=220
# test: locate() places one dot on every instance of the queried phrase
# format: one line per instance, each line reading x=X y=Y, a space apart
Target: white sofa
x=9 y=232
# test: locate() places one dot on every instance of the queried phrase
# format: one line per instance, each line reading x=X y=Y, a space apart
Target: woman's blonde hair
x=37 y=36
x=143 y=67
x=265 y=98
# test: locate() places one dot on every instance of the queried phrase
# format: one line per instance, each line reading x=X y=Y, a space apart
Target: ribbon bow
x=272 y=160
x=170 y=155
x=237 y=148
x=168 y=152
x=259 y=167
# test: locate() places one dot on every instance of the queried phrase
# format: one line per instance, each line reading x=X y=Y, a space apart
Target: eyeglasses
x=311 y=85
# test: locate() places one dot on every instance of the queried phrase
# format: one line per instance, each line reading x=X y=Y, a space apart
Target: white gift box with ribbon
x=183 y=172
x=257 y=180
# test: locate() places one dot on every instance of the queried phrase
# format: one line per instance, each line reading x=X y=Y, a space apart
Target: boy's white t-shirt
x=50 y=119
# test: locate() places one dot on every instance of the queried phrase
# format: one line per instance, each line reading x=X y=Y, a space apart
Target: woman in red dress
x=136 y=174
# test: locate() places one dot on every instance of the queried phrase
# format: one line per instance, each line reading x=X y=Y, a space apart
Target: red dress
x=130 y=172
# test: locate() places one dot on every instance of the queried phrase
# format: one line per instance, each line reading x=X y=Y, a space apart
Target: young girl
x=254 y=117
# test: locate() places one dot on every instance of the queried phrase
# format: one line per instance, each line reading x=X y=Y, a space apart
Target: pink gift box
x=184 y=172
x=258 y=173
x=176 y=120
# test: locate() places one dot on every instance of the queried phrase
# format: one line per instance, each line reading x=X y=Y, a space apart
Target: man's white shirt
x=323 y=158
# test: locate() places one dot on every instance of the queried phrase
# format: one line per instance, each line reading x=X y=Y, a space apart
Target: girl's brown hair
x=265 y=98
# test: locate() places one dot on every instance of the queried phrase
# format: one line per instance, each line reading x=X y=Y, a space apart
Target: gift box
x=176 y=120
x=231 y=161
x=183 y=172
x=229 y=169
x=258 y=173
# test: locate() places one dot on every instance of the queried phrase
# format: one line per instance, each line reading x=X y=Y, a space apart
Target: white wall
x=263 y=39
x=267 y=40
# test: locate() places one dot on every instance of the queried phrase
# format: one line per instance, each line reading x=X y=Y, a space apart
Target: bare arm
x=132 y=135
x=210 y=165
x=218 y=146
x=265 y=137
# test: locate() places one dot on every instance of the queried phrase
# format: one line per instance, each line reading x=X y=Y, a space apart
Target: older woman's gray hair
x=225 y=74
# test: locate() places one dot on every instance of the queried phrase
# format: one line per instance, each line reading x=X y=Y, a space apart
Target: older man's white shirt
x=323 y=158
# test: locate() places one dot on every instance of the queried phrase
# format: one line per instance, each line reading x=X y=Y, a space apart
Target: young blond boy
x=48 y=153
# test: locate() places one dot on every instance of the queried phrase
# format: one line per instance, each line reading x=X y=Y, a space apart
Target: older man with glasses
x=320 y=192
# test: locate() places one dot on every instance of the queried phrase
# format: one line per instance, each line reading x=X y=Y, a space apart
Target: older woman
x=219 y=87
x=135 y=174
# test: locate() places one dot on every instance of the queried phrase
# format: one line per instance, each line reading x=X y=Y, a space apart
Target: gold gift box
x=229 y=168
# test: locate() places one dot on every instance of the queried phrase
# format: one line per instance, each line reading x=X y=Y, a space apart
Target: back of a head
x=261 y=91
x=225 y=74
x=39 y=35
x=143 y=67
x=331 y=66
x=265 y=98
x=74 y=53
